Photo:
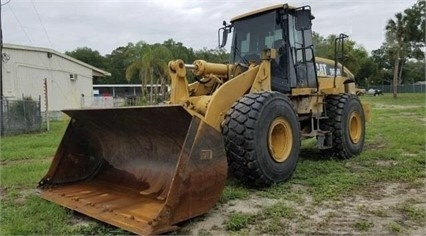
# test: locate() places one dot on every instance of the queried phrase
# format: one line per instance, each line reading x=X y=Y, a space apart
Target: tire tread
x=239 y=131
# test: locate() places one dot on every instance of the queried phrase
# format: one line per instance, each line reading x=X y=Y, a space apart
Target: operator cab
x=283 y=28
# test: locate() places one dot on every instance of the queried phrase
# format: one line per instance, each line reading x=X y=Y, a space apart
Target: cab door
x=302 y=50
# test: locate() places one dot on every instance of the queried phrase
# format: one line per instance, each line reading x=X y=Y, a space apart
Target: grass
x=395 y=228
x=238 y=221
x=380 y=212
x=24 y=160
x=234 y=190
x=280 y=210
x=272 y=219
x=23 y=174
x=363 y=225
x=32 y=146
x=412 y=212
x=274 y=226
x=394 y=152
x=31 y=215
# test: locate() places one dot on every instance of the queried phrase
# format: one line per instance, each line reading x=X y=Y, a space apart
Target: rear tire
x=262 y=138
x=346 y=122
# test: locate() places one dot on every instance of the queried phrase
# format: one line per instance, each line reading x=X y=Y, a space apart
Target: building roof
x=95 y=71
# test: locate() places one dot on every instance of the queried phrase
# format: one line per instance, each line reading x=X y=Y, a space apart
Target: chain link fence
x=109 y=102
x=21 y=116
x=403 y=88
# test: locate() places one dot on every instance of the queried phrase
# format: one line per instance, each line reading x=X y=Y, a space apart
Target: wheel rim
x=355 y=127
x=280 y=139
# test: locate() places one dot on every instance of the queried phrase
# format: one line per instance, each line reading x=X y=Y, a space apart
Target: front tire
x=346 y=122
x=262 y=138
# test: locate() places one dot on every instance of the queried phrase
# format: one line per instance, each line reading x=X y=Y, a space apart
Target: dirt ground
x=376 y=211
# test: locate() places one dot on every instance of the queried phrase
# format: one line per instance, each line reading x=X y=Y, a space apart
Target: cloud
x=106 y=25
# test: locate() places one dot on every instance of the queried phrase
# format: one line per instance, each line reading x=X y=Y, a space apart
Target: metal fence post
x=1 y=117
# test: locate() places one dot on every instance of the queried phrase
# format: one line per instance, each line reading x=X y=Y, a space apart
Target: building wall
x=25 y=70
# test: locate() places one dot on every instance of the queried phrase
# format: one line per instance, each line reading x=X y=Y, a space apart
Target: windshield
x=252 y=35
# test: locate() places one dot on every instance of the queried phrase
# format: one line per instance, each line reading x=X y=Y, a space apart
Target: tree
x=117 y=62
x=405 y=39
x=150 y=61
x=131 y=63
x=381 y=57
x=396 y=37
x=162 y=56
x=414 y=71
x=213 y=55
x=355 y=58
x=179 y=51
x=89 y=56
x=416 y=23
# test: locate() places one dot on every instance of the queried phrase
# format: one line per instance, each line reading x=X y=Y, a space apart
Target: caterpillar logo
x=206 y=154
x=324 y=69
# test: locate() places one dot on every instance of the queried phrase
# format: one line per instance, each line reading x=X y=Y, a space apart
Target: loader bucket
x=142 y=169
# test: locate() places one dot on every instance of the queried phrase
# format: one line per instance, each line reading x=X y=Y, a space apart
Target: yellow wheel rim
x=355 y=127
x=280 y=139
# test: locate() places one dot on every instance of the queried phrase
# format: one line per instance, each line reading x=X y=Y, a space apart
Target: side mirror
x=226 y=29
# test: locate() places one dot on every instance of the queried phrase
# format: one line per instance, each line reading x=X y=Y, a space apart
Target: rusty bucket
x=142 y=169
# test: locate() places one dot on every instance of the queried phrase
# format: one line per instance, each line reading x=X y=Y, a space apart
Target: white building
x=26 y=68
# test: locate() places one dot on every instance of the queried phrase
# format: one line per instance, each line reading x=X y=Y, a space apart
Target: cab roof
x=261 y=10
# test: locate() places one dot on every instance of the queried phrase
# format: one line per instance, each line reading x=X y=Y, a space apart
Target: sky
x=104 y=25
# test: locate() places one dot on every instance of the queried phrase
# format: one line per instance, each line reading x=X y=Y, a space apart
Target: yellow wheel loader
x=146 y=169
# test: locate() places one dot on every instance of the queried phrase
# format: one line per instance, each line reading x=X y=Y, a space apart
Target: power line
x=6 y=3
x=45 y=65
x=42 y=25
x=20 y=24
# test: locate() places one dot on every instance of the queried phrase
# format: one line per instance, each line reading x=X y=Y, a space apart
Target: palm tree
x=406 y=38
x=396 y=37
x=134 y=69
x=151 y=62
x=163 y=56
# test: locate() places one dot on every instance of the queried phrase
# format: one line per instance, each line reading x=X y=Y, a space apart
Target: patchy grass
x=380 y=212
x=363 y=225
x=274 y=226
x=283 y=191
x=233 y=190
x=395 y=228
x=280 y=210
x=238 y=221
x=394 y=152
x=412 y=211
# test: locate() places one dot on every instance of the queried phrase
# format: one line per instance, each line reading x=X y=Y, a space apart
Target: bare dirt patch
x=373 y=211
x=385 y=106
x=21 y=198
x=213 y=221
x=24 y=161
x=3 y=193
x=386 y=163
x=379 y=142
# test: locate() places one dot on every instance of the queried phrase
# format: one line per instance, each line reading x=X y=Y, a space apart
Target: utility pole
x=1 y=78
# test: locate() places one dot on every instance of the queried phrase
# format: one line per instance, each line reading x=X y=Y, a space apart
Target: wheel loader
x=146 y=169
